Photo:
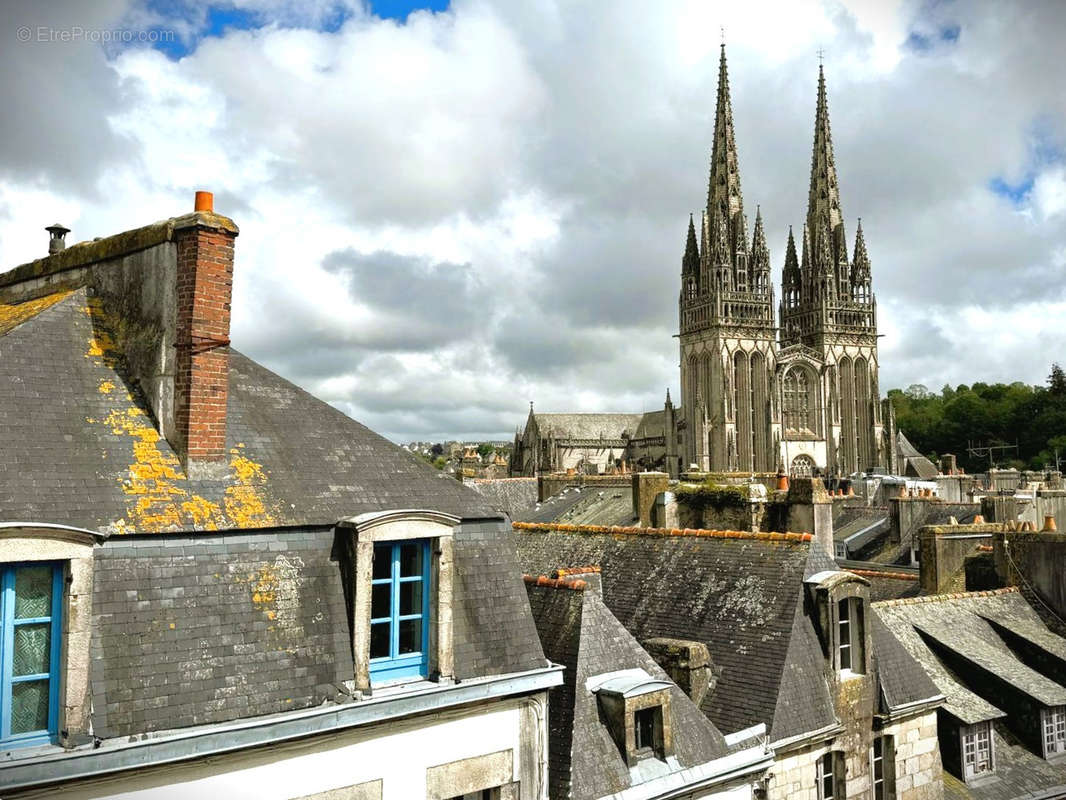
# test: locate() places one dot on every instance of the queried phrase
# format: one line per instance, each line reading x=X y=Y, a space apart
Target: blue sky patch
x=1044 y=149
x=923 y=42
x=219 y=19
x=399 y=9
x=1015 y=193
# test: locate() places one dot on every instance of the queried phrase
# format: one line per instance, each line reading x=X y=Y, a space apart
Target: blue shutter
x=399 y=615
x=30 y=612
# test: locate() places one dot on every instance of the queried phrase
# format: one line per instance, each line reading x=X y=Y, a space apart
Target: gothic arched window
x=799 y=400
x=802 y=466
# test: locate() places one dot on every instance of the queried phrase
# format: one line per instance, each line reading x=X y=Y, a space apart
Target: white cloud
x=1049 y=192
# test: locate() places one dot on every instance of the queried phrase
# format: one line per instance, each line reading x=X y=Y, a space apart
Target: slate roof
x=81 y=448
x=588 y=505
x=909 y=619
x=914 y=463
x=192 y=629
x=741 y=596
x=587 y=426
x=508 y=495
x=866 y=529
x=969 y=624
x=902 y=680
x=887 y=581
x=579 y=631
x=552 y=507
x=652 y=424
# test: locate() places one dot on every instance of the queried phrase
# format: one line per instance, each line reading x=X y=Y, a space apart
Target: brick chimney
x=201 y=377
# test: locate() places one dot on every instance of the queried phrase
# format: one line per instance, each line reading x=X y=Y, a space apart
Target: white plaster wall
x=397 y=752
x=743 y=792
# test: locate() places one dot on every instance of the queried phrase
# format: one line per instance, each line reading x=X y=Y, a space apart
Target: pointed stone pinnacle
x=823 y=199
x=723 y=188
x=690 y=263
x=861 y=260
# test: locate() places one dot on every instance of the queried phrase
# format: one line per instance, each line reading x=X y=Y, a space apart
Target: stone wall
x=1036 y=562
x=943 y=553
x=551 y=485
x=919 y=773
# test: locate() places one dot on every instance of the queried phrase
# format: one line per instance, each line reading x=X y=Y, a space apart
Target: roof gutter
x=914 y=707
x=810 y=737
x=681 y=784
x=117 y=756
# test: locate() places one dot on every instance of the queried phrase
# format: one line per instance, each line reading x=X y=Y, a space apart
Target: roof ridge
x=876 y=573
x=554 y=583
x=14 y=314
x=932 y=598
x=621 y=530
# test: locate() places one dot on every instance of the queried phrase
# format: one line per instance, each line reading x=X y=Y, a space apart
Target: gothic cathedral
x=758 y=397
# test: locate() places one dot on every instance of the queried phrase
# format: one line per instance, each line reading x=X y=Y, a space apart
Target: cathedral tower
x=727 y=332
x=829 y=316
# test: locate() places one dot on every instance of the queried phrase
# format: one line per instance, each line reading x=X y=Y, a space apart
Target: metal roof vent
x=57 y=241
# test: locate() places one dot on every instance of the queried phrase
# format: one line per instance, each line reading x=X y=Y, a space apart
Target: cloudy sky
x=450 y=209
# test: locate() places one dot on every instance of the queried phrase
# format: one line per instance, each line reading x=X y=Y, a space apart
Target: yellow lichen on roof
x=159 y=497
x=245 y=504
x=156 y=500
x=14 y=314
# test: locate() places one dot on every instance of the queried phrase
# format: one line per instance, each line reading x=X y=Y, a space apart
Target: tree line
x=1031 y=417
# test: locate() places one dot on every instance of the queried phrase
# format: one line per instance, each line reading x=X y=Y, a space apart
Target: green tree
x=1057 y=381
x=485 y=448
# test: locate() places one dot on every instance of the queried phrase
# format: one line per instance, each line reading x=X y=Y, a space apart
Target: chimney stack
x=203 y=293
x=57 y=239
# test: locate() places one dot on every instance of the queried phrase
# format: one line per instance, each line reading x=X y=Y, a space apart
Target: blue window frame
x=399 y=610
x=30 y=610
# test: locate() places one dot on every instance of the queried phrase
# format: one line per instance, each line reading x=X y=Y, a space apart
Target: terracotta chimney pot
x=205 y=201
x=979 y=520
x=782 y=482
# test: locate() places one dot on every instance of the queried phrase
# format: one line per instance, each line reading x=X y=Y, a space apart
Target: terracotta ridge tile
x=563 y=573
x=902 y=576
x=624 y=530
x=555 y=583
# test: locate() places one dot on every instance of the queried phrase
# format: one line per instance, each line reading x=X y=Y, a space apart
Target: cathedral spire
x=823 y=199
x=723 y=189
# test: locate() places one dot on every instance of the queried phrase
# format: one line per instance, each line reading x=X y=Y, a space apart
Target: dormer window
x=636 y=711
x=401 y=587
x=977 y=754
x=1053 y=721
x=850 y=637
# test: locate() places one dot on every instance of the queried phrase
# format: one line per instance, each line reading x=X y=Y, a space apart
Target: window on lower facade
x=850 y=636
x=977 y=757
x=399 y=610
x=1054 y=725
x=883 y=756
x=831 y=776
x=30 y=611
